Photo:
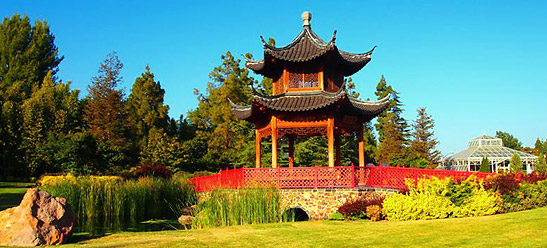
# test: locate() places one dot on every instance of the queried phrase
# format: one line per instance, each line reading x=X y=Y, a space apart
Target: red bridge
x=323 y=177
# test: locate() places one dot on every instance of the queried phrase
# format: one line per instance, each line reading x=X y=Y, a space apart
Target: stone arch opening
x=299 y=214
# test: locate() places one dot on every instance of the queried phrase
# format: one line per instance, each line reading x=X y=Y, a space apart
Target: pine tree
x=424 y=142
x=393 y=133
x=145 y=106
x=225 y=134
x=485 y=165
x=515 y=163
x=541 y=165
x=105 y=114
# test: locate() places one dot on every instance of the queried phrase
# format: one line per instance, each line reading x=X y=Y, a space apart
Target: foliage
x=509 y=141
x=374 y=212
x=153 y=170
x=27 y=53
x=485 y=165
x=393 y=133
x=358 y=208
x=424 y=142
x=541 y=165
x=516 y=163
x=162 y=149
x=533 y=195
x=111 y=204
x=237 y=207
x=336 y=216
x=105 y=115
x=145 y=106
x=441 y=198
x=224 y=134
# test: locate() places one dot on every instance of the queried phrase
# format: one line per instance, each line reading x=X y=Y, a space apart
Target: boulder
x=40 y=219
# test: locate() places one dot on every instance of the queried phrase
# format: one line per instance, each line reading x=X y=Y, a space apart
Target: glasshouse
x=491 y=148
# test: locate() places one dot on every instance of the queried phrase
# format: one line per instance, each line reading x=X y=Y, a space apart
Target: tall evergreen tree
x=541 y=165
x=485 y=165
x=424 y=143
x=105 y=114
x=540 y=146
x=145 y=106
x=224 y=134
x=509 y=140
x=516 y=163
x=27 y=53
x=393 y=132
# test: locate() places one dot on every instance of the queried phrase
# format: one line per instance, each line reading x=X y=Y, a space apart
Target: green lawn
x=11 y=194
x=522 y=229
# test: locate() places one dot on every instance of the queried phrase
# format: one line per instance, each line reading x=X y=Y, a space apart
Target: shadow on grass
x=8 y=200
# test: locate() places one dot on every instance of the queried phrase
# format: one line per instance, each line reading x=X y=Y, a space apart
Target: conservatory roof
x=490 y=147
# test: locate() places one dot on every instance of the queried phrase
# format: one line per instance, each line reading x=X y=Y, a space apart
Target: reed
x=226 y=207
x=111 y=205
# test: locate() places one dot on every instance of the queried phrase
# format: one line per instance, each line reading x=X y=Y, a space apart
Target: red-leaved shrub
x=534 y=177
x=504 y=183
x=358 y=207
x=154 y=170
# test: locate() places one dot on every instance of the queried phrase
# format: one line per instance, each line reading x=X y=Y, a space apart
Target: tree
x=541 y=165
x=27 y=53
x=540 y=146
x=162 y=149
x=485 y=165
x=52 y=109
x=225 y=135
x=516 y=163
x=145 y=106
x=509 y=141
x=424 y=142
x=105 y=115
x=393 y=133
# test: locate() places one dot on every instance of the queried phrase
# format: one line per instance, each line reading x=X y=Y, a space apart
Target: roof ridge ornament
x=306 y=18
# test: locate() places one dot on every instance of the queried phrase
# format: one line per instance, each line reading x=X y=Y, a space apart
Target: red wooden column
x=330 y=136
x=291 y=151
x=258 y=158
x=361 y=147
x=274 y=141
x=337 y=146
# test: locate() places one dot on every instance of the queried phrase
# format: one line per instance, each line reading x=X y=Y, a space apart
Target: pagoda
x=309 y=96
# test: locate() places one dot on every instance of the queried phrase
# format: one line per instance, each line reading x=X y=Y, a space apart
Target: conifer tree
x=145 y=106
x=393 y=133
x=541 y=165
x=424 y=142
x=224 y=133
x=485 y=165
x=516 y=163
x=105 y=114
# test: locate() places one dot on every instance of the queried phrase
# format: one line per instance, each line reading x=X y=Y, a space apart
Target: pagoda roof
x=305 y=47
x=309 y=101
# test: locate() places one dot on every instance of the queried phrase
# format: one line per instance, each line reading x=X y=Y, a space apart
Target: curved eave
x=305 y=47
x=353 y=62
x=242 y=112
x=371 y=109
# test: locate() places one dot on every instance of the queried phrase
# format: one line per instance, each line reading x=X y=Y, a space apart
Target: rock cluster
x=40 y=219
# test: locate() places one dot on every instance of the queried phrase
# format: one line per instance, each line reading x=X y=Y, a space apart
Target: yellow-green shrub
x=441 y=198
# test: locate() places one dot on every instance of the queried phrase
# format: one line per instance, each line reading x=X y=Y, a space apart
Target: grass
x=520 y=229
x=11 y=193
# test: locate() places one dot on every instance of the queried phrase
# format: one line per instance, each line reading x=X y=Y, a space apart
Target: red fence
x=323 y=177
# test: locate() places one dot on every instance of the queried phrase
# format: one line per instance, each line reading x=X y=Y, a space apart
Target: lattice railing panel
x=323 y=177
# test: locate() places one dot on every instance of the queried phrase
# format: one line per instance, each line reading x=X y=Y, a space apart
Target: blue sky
x=477 y=66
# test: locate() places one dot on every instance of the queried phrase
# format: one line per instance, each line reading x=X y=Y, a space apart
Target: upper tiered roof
x=305 y=47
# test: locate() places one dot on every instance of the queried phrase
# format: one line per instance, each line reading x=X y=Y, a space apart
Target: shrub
x=441 y=198
x=504 y=183
x=533 y=195
x=358 y=207
x=374 y=212
x=336 y=216
x=154 y=170
x=534 y=177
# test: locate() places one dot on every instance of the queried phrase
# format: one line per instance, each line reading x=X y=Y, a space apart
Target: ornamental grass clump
x=109 y=205
x=226 y=207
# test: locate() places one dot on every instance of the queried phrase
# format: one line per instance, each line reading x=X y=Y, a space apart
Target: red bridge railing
x=323 y=177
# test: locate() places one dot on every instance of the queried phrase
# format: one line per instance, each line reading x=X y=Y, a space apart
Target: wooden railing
x=322 y=177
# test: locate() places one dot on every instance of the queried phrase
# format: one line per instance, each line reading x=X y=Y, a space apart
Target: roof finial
x=306 y=17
